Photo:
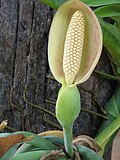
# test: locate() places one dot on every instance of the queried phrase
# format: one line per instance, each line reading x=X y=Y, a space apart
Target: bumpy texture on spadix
x=73 y=47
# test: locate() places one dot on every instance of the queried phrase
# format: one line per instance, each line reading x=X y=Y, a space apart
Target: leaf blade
x=10 y=153
x=111 y=39
x=53 y=3
x=108 y=11
x=36 y=155
x=38 y=141
x=87 y=153
x=94 y=3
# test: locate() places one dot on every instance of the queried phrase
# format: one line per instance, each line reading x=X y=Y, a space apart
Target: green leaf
x=108 y=11
x=117 y=20
x=87 y=153
x=10 y=153
x=107 y=133
x=38 y=141
x=26 y=148
x=93 y=3
x=56 y=3
x=35 y=155
x=53 y=3
x=111 y=39
x=4 y=134
x=109 y=128
x=55 y=140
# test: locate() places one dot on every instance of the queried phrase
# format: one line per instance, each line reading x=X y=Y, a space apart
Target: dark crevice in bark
x=27 y=54
x=29 y=44
x=16 y=40
x=33 y=15
x=24 y=28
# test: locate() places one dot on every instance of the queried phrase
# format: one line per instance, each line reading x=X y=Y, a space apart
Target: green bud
x=68 y=106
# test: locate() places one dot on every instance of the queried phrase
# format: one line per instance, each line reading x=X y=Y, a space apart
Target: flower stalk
x=67 y=110
x=68 y=141
x=74 y=48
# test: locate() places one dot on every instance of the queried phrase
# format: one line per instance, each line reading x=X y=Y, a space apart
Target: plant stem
x=108 y=132
x=68 y=141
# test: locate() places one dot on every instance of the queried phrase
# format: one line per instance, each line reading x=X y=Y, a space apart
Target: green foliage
x=108 y=11
x=53 y=3
x=87 y=153
x=56 y=140
x=34 y=155
x=38 y=144
x=4 y=134
x=10 y=153
x=111 y=32
x=110 y=127
x=94 y=3
x=38 y=141
x=30 y=150
x=56 y=3
x=117 y=22
x=111 y=38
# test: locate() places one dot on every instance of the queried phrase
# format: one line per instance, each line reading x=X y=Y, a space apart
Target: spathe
x=92 y=41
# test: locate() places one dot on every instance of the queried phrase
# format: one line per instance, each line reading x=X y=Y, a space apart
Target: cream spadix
x=75 y=43
x=73 y=47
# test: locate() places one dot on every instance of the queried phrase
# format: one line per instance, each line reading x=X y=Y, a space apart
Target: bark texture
x=24 y=28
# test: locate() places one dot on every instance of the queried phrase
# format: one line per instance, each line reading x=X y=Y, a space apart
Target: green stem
x=108 y=132
x=68 y=141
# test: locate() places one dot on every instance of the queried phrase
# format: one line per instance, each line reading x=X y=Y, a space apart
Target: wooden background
x=24 y=29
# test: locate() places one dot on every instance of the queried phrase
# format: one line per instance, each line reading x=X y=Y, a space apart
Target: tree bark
x=24 y=28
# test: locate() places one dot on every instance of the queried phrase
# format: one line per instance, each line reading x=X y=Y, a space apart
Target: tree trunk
x=24 y=32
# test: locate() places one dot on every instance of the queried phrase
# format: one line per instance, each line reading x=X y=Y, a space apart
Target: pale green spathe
x=68 y=106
